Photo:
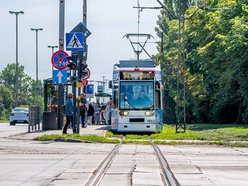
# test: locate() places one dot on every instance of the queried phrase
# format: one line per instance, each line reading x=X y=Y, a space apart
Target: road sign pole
x=80 y=61
x=75 y=120
x=79 y=93
x=61 y=47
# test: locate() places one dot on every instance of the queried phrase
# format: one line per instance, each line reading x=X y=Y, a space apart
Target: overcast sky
x=108 y=21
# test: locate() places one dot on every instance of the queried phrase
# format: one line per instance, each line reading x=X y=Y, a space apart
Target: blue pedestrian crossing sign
x=75 y=41
x=59 y=76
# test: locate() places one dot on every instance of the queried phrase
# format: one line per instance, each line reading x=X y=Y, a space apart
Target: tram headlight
x=149 y=113
x=124 y=113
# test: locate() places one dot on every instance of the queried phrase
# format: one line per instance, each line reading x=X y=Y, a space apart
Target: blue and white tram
x=137 y=97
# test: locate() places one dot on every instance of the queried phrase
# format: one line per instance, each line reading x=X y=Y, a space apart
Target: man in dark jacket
x=83 y=110
x=68 y=113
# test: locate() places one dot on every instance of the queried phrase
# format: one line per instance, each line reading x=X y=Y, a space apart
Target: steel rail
x=98 y=174
x=166 y=171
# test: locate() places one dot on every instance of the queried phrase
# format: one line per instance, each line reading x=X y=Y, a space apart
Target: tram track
x=167 y=177
x=101 y=170
x=167 y=174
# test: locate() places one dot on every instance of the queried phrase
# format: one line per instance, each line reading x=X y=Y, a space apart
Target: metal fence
x=34 y=118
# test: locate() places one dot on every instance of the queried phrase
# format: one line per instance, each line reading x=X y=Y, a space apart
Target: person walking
x=68 y=113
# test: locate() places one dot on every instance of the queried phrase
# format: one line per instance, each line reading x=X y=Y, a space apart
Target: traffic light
x=73 y=61
x=82 y=71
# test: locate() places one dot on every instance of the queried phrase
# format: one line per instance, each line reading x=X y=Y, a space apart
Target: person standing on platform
x=83 y=109
x=108 y=109
x=68 y=113
x=90 y=114
x=97 y=114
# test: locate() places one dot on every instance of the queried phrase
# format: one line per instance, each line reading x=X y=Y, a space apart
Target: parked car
x=19 y=115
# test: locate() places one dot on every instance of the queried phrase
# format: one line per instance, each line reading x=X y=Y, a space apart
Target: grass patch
x=169 y=133
x=88 y=138
x=209 y=134
x=110 y=134
x=230 y=132
x=4 y=121
x=219 y=143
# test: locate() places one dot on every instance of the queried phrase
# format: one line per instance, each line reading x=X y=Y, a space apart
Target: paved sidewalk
x=99 y=130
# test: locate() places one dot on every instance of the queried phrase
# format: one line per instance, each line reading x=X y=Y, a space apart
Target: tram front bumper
x=136 y=127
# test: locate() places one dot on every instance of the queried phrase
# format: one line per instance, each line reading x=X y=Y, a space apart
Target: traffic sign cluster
x=76 y=63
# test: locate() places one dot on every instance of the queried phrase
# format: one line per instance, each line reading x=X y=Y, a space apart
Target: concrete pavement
x=28 y=162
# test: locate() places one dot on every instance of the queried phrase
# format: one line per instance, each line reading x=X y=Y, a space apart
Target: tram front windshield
x=137 y=95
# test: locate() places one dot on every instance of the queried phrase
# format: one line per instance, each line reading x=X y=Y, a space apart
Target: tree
x=6 y=102
x=29 y=89
x=216 y=61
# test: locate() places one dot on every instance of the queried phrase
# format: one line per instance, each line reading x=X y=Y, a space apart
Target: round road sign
x=87 y=76
x=59 y=60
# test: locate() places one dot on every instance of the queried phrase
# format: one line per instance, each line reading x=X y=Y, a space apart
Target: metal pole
x=16 y=70
x=61 y=24
x=181 y=96
x=80 y=61
x=85 y=13
x=52 y=47
x=61 y=47
x=75 y=113
x=36 y=31
x=37 y=120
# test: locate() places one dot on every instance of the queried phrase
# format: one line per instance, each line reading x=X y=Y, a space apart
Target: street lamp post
x=17 y=74
x=52 y=47
x=36 y=30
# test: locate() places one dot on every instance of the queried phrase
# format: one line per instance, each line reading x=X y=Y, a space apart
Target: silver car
x=19 y=115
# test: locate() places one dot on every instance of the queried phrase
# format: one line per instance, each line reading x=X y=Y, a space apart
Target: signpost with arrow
x=59 y=76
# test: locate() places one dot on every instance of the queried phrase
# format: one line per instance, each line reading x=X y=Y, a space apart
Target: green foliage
x=6 y=102
x=216 y=61
x=28 y=90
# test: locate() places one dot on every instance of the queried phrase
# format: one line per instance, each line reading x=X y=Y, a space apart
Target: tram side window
x=157 y=96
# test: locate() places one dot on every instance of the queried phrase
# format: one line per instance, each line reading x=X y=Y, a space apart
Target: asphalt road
x=27 y=162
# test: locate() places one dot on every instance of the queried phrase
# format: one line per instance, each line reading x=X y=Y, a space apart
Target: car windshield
x=20 y=109
x=136 y=95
